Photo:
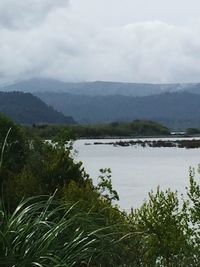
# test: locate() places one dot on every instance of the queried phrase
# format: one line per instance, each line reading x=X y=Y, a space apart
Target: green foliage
x=105 y=186
x=165 y=241
x=64 y=138
x=48 y=167
x=16 y=144
x=144 y=127
x=194 y=195
x=115 y=232
x=193 y=214
x=26 y=159
x=134 y=128
x=20 y=186
x=14 y=149
x=90 y=198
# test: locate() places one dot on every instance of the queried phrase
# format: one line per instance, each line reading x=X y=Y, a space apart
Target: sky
x=151 y=41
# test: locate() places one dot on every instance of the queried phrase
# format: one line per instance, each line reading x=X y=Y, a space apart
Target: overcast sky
x=155 y=41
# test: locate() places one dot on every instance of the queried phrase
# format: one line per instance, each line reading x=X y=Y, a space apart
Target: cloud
x=26 y=13
x=60 y=45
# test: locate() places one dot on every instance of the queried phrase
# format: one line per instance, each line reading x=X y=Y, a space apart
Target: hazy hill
x=98 y=88
x=175 y=105
x=28 y=109
x=176 y=110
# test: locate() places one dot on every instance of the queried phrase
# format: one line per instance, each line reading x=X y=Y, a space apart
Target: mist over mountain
x=28 y=109
x=98 y=87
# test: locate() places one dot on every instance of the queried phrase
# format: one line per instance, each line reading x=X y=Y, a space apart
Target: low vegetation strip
x=115 y=129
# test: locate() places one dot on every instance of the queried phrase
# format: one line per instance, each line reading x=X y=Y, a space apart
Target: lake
x=137 y=170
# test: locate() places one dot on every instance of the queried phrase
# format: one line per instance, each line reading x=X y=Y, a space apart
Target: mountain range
x=175 y=105
x=177 y=110
x=99 y=87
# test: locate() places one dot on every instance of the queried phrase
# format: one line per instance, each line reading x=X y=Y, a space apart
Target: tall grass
x=42 y=233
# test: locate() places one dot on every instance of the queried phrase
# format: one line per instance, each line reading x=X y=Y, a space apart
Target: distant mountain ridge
x=175 y=105
x=175 y=110
x=98 y=87
x=25 y=108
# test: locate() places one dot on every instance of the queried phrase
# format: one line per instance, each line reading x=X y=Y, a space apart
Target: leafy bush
x=165 y=241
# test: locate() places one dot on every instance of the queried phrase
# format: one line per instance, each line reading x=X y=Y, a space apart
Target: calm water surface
x=137 y=170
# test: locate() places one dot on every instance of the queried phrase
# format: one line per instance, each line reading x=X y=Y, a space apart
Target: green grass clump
x=42 y=233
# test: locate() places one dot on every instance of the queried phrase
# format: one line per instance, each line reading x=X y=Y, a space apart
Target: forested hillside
x=175 y=110
x=28 y=109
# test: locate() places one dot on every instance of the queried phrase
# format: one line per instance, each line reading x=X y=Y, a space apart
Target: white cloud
x=61 y=45
x=26 y=13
